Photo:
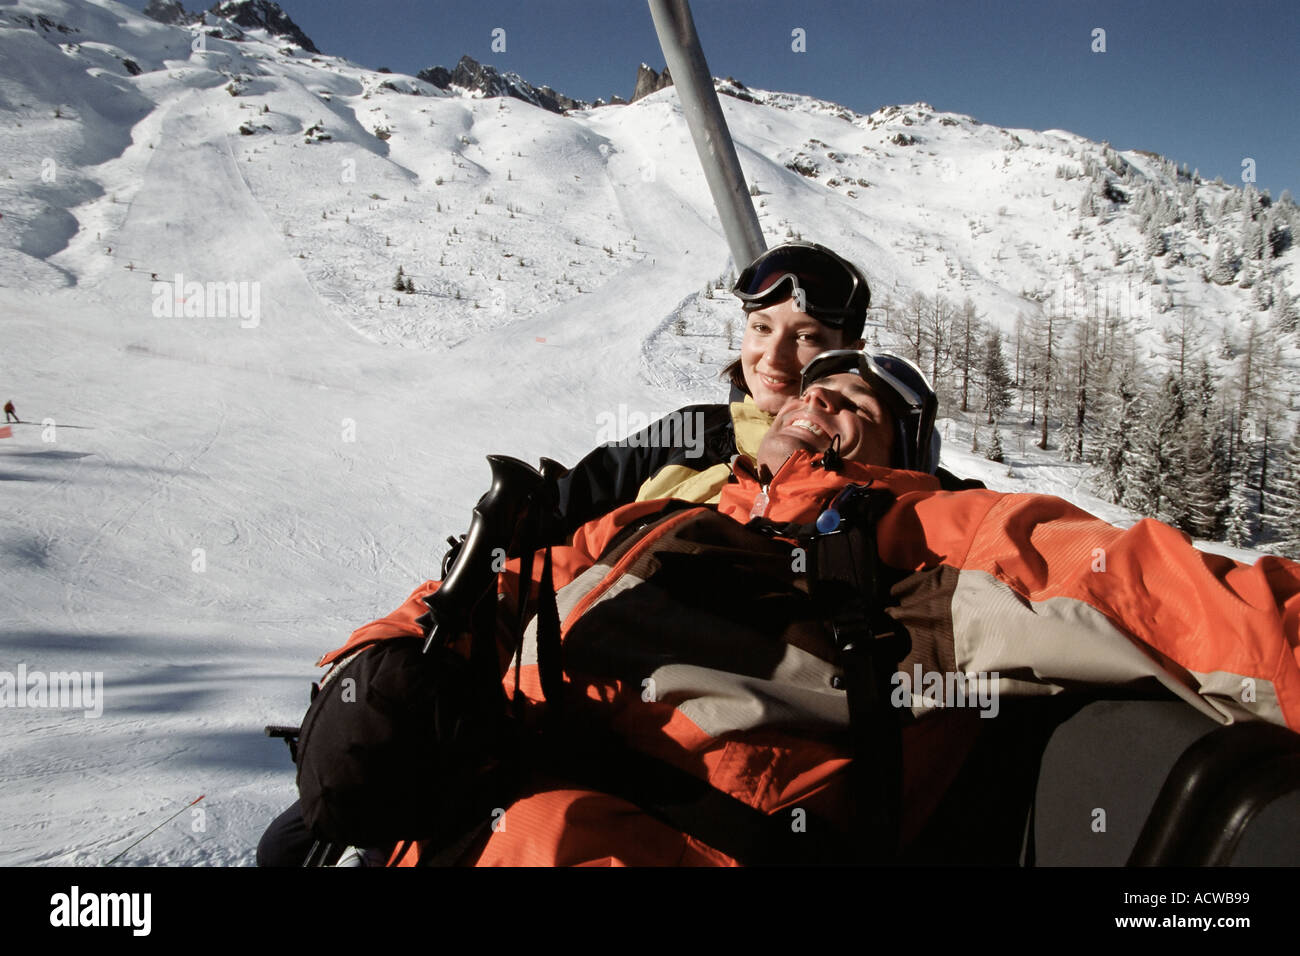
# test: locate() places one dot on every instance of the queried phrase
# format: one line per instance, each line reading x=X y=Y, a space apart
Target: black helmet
x=826 y=286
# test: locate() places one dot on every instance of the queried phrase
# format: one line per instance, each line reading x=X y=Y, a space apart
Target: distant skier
x=10 y=414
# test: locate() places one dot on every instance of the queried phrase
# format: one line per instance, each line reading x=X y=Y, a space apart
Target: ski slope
x=198 y=506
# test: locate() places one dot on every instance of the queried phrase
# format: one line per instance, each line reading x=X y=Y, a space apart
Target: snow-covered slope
x=207 y=494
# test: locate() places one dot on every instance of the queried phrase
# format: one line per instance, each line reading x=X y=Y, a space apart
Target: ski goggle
x=825 y=286
x=899 y=383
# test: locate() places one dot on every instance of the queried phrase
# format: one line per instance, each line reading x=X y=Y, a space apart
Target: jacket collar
x=801 y=487
x=751 y=424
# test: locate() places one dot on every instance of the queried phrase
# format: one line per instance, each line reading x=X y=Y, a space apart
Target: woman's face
x=779 y=340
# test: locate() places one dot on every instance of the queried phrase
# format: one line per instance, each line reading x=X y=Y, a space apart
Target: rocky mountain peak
x=265 y=15
x=469 y=74
x=648 y=81
x=167 y=11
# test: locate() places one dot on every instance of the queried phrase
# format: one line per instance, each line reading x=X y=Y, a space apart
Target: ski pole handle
x=495 y=524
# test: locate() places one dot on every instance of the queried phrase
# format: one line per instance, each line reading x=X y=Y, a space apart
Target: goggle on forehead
x=898 y=382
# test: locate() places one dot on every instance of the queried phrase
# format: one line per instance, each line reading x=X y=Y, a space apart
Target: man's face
x=779 y=340
x=843 y=405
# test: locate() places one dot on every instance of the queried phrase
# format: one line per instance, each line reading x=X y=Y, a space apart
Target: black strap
x=550 y=662
x=517 y=700
x=847 y=581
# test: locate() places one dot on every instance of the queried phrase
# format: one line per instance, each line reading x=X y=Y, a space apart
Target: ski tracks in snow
x=80 y=580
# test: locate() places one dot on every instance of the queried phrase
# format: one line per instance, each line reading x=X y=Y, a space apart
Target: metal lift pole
x=694 y=83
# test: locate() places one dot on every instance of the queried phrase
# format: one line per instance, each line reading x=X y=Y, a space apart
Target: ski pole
x=158 y=827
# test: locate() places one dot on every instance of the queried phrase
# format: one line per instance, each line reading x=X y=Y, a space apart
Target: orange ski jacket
x=1001 y=595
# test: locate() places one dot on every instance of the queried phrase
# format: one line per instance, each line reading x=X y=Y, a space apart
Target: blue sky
x=1205 y=83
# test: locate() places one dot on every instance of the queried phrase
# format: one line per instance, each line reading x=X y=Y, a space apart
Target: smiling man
x=840 y=407
x=874 y=409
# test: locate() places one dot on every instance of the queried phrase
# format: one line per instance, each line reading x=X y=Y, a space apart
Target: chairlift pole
x=685 y=58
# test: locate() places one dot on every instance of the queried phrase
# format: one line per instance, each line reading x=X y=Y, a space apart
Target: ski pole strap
x=846 y=580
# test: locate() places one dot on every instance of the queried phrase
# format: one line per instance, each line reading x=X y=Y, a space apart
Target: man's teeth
x=804 y=423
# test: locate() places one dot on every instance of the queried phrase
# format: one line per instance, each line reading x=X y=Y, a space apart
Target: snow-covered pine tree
x=1284 y=318
x=1202 y=493
x=1156 y=478
x=994 y=451
x=1137 y=474
x=1168 y=445
x=1252 y=239
x=1239 y=530
x=1248 y=276
x=1088 y=204
x=1157 y=244
x=1262 y=295
x=1114 y=452
x=1251 y=202
x=995 y=377
x=1286 y=502
x=1223 y=268
x=1199 y=222
x=1269 y=406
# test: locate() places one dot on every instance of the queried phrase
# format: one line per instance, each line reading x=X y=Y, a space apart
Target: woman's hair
x=735 y=374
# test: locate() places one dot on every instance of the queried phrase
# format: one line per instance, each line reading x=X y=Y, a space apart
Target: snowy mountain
x=241 y=441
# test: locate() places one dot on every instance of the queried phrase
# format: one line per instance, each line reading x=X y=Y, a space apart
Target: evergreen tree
x=1169 y=416
x=1284 y=318
x=1286 y=502
x=1200 y=223
x=399 y=283
x=1252 y=239
x=1156 y=244
x=1223 y=268
x=1118 y=456
x=1157 y=486
x=994 y=450
x=996 y=378
x=1247 y=276
x=1262 y=295
x=1088 y=204
x=1202 y=494
x=1240 y=521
